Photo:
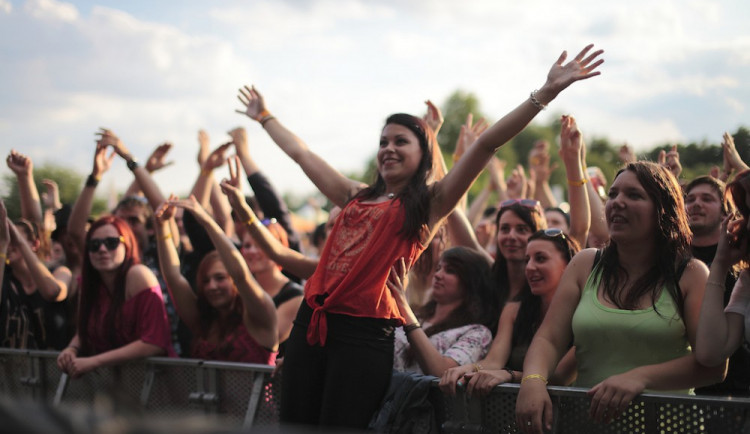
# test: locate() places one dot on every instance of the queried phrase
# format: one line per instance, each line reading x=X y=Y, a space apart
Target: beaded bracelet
x=477 y=367
x=538 y=104
x=266 y=119
x=510 y=371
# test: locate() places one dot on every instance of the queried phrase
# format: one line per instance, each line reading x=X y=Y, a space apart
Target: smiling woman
x=340 y=352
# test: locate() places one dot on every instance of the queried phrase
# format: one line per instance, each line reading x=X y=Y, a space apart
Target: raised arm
x=4 y=242
x=82 y=207
x=180 y=290
x=260 y=312
x=50 y=287
x=290 y=260
x=337 y=188
x=268 y=199
x=539 y=165
x=720 y=333
x=598 y=229
x=23 y=168
x=571 y=144
x=457 y=181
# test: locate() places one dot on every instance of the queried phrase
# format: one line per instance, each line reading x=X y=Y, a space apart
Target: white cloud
x=6 y=6
x=51 y=10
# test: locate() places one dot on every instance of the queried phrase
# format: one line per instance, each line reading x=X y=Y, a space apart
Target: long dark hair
x=480 y=304
x=535 y=220
x=415 y=198
x=207 y=313
x=91 y=282
x=529 y=316
x=672 y=242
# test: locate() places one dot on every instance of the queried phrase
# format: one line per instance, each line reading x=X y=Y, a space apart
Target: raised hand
x=19 y=163
x=255 y=106
x=108 y=138
x=204 y=146
x=239 y=139
x=166 y=210
x=51 y=197
x=626 y=154
x=583 y=66
x=216 y=158
x=469 y=133
x=671 y=160
x=517 y=183
x=732 y=160
x=102 y=162
x=496 y=169
x=157 y=158
x=539 y=161
x=433 y=117
x=570 y=139
x=191 y=204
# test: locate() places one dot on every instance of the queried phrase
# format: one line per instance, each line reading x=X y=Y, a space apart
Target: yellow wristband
x=166 y=237
x=577 y=183
x=534 y=377
x=456 y=158
x=3 y=256
x=251 y=221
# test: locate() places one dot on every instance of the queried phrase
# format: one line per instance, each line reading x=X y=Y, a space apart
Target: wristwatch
x=132 y=164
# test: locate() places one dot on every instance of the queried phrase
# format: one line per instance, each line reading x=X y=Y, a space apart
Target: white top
x=467 y=344
x=739 y=302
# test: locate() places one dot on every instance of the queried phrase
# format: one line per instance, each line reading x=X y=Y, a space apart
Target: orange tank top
x=355 y=264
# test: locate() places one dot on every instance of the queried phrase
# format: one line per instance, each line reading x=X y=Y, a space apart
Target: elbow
x=710 y=359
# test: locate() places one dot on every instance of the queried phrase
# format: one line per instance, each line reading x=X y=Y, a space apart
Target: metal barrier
x=243 y=395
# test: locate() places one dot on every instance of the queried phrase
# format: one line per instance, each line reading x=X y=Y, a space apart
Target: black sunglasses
x=110 y=243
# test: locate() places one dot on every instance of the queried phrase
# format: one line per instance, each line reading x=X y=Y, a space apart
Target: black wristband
x=132 y=164
x=411 y=327
x=91 y=181
x=510 y=371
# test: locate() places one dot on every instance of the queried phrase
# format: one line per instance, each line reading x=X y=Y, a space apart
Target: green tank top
x=612 y=341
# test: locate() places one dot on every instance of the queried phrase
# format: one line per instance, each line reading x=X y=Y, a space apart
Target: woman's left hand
x=484 y=381
x=580 y=68
x=611 y=397
x=191 y=204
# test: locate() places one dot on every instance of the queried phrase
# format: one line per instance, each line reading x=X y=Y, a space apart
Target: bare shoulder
x=139 y=278
x=694 y=276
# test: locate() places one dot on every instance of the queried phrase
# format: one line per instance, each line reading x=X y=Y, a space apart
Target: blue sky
x=155 y=71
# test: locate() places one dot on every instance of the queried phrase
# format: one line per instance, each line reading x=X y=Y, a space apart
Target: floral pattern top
x=467 y=344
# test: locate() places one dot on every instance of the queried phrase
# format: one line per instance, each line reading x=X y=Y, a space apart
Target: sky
x=333 y=70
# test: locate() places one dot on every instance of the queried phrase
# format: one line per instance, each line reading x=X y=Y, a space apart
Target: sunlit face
x=399 y=154
x=512 y=236
x=703 y=207
x=446 y=286
x=544 y=267
x=102 y=259
x=556 y=220
x=256 y=258
x=218 y=286
x=630 y=212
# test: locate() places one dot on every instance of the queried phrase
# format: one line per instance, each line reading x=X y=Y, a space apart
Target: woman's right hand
x=534 y=408
x=733 y=239
x=102 y=163
x=452 y=377
x=166 y=210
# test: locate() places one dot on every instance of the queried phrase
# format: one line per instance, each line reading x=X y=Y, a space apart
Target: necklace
x=390 y=195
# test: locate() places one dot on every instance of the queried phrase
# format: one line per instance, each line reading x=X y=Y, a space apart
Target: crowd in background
x=642 y=288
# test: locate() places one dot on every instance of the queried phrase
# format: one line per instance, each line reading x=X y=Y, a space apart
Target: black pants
x=342 y=383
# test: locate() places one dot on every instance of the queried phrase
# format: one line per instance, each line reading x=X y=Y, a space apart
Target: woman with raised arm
x=121 y=314
x=722 y=330
x=229 y=314
x=342 y=342
x=632 y=313
x=548 y=253
x=455 y=320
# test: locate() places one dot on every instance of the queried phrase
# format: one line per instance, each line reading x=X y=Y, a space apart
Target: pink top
x=142 y=317
x=238 y=346
x=355 y=264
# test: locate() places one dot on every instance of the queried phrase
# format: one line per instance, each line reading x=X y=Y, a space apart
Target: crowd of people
x=644 y=289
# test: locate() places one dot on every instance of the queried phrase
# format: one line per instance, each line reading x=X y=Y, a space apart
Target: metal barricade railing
x=244 y=395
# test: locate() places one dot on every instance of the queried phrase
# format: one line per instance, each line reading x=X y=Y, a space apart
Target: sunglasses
x=110 y=243
x=554 y=232
x=528 y=203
